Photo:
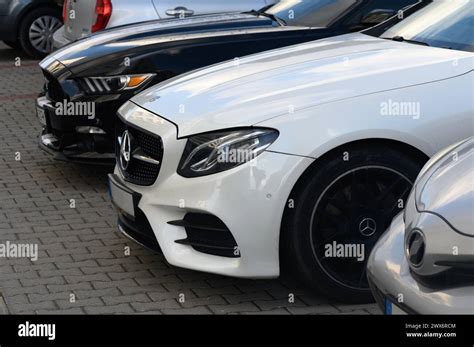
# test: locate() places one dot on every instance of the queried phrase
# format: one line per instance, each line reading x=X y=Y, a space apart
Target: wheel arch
x=403 y=147
x=27 y=9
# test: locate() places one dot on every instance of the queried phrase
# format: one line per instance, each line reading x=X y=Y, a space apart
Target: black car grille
x=207 y=234
x=54 y=90
x=140 y=172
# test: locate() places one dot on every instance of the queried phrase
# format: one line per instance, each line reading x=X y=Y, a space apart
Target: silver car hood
x=449 y=191
x=255 y=88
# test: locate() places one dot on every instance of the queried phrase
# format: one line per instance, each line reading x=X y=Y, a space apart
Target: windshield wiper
x=402 y=39
x=274 y=18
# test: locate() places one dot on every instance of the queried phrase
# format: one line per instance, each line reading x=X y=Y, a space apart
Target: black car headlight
x=114 y=84
x=209 y=153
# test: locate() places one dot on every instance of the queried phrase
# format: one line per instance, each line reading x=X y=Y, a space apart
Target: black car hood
x=129 y=40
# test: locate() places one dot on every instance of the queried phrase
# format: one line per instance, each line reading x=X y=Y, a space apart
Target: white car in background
x=84 y=17
x=299 y=156
x=432 y=242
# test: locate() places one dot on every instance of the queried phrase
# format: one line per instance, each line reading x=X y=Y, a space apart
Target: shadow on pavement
x=8 y=54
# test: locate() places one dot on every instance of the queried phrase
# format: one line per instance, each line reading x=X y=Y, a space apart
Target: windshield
x=311 y=13
x=443 y=23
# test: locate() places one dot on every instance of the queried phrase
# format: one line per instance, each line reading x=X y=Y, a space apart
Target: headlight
x=206 y=154
x=113 y=84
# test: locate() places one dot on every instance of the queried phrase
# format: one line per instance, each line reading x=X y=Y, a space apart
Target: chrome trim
x=140 y=155
x=90 y=130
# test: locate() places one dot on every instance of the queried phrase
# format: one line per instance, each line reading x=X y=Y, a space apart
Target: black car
x=30 y=24
x=88 y=81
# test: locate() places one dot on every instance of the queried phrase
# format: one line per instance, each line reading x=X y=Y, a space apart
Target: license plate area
x=392 y=309
x=123 y=198
x=41 y=114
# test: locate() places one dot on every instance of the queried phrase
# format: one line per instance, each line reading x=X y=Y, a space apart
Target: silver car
x=424 y=263
x=84 y=17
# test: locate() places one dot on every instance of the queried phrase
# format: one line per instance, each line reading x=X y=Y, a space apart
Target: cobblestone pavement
x=81 y=266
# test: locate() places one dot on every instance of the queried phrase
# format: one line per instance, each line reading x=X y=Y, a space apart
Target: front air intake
x=207 y=234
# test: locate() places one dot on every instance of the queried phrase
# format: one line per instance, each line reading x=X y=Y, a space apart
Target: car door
x=177 y=8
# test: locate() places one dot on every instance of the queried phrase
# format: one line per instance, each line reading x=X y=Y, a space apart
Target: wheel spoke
x=35 y=27
x=389 y=190
x=43 y=22
x=37 y=40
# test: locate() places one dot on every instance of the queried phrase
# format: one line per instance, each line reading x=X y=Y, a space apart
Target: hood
x=255 y=88
x=449 y=192
x=130 y=39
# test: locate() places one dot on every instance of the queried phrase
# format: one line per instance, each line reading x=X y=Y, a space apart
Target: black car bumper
x=77 y=138
x=135 y=225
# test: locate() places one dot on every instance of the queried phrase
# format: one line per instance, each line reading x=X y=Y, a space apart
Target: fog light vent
x=415 y=248
x=207 y=234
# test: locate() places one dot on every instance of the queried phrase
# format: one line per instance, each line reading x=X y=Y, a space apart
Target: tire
x=350 y=201
x=13 y=44
x=30 y=29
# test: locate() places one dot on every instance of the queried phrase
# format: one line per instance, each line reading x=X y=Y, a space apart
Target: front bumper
x=70 y=138
x=249 y=200
x=390 y=278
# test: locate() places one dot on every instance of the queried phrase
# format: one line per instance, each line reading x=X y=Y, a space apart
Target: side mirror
x=376 y=17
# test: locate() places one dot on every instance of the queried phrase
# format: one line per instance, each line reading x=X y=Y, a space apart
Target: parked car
x=109 y=68
x=29 y=25
x=92 y=16
x=424 y=262
x=298 y=157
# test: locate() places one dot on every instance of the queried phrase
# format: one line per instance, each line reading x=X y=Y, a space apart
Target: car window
x=371 y=5
x=311 y=13
x=443 y=23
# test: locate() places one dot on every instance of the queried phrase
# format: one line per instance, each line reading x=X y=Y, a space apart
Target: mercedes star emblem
x=367 y=227
x=125 y=150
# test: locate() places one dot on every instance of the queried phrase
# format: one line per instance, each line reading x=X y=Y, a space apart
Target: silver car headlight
x=210 y=153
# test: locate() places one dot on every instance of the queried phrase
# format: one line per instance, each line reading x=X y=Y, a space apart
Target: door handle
x=179 y=11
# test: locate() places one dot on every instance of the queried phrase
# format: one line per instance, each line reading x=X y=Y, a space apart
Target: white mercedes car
x=298 y=157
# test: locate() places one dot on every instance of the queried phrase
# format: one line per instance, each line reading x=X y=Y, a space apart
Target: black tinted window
x=368 y=6
x=311 y=13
